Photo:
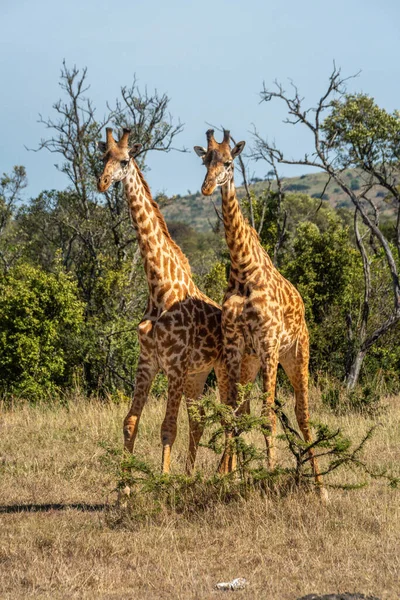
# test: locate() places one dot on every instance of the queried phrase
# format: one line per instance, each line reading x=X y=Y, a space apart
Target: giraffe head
x=218 y=160
x=116 y=157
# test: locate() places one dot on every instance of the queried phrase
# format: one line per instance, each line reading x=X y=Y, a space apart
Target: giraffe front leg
x=248 y=373
x=250 y=365
x=233 y=352
x=145 y=374
x=269 y=360
x=227 y=463
x=193 y=389
x=176 y=385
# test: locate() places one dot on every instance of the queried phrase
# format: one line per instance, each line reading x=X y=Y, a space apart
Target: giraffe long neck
x=245 y=250
x=167 y=268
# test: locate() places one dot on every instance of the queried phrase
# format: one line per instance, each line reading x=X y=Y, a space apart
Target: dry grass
x=285 y=548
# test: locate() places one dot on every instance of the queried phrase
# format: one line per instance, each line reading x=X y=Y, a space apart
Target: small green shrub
x=146 y=495
x=365 y=399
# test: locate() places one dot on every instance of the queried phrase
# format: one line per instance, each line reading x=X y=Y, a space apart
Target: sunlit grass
x=286 y=547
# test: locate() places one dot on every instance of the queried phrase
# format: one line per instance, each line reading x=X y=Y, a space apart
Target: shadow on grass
x=34 y=508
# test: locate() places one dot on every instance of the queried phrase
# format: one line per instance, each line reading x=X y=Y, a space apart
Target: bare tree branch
x=332 y=155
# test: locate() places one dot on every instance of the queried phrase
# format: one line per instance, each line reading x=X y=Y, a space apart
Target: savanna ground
x=62 y=537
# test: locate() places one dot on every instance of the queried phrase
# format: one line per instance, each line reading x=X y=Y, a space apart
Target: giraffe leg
x=176 y=386
x=295 y=364
x=269 y=366
x=248 y=373
x=145 y=374
x=234 y=349
x=193 y=389
x=228 y=460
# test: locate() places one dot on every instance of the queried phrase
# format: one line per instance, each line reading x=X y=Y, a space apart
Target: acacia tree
x=351 y=131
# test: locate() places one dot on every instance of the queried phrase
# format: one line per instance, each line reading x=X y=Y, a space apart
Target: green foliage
x=214 y=283
x=159 y=387
x=322 y=267
x=312 y=245
x=362 y=132
x=296 y=187
x=42 y=318
x=364 y=135
x=319 y=196
x=325 y=267
x=150 y=495
x=110 y=283
x=364 y=399
x=111 y=342
x=11 y=187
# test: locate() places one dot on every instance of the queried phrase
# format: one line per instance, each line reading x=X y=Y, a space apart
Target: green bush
x=325 y=268
x=41 y=318
x=214 y=283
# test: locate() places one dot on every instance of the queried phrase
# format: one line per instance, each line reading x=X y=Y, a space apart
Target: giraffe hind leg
x=145 y=374
x=295 y=364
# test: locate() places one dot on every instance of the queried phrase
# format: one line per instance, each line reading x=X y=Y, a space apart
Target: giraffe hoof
x=123 y=495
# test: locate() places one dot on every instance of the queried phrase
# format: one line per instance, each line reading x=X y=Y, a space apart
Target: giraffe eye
x=228 y=163
x=124 y=163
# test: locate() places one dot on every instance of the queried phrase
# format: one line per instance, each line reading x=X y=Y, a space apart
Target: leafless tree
x=376 y=153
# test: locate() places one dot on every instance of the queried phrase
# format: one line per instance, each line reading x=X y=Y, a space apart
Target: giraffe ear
x=200 y=151
x=134 y=150
x=237 y=149
x=102 y=146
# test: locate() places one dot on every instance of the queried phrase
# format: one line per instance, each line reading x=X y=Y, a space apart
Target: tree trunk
x=354 y=371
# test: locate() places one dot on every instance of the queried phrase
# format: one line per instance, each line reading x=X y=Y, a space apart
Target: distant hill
x=198 y=211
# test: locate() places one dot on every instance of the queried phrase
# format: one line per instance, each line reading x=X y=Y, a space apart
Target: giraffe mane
x=162 y=222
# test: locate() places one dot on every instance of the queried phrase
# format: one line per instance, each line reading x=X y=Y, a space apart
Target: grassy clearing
x=69 y=545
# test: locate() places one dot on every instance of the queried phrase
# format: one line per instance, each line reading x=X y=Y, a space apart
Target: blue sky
x=210 y=57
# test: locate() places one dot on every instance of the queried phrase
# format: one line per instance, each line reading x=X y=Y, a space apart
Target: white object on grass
x=236 y=584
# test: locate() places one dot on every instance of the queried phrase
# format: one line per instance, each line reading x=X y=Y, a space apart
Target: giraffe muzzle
x=103 y=183
x=208 y=187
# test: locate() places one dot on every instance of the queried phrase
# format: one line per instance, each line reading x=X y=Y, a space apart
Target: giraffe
x=261 y=309
x=180 y=332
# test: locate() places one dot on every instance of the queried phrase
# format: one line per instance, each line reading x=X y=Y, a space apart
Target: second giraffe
x=261 y=309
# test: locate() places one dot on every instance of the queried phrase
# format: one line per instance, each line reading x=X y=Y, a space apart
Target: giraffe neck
x=245 y=250
x=166 y=267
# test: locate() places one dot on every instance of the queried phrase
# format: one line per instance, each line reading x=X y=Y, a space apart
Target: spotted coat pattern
x=261 y=309
x=180 y=332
